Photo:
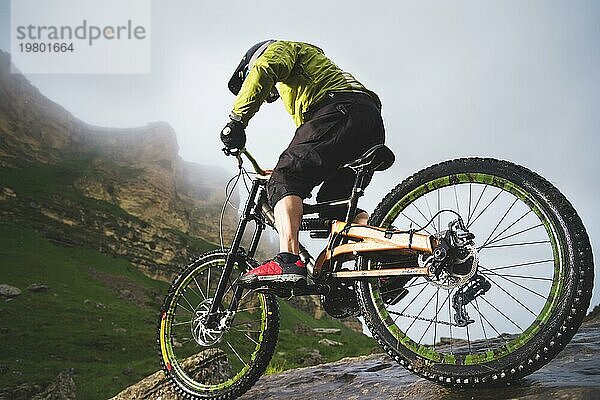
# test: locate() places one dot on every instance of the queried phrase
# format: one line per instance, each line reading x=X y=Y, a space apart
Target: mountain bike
x=471 y=272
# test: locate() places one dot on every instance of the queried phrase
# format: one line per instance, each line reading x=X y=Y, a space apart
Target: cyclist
x=337 y=120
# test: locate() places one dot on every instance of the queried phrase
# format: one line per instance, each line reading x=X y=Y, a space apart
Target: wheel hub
x=204 y=335
x=454 y=261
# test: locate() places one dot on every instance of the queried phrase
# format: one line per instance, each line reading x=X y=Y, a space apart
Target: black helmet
x=242 y=70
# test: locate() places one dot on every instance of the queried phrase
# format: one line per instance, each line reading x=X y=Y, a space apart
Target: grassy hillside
x=99 y=317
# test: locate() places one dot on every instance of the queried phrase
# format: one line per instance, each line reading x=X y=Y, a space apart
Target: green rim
x=192 y=384
x=428 y=352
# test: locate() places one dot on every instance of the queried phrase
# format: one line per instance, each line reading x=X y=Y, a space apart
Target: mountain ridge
x=137 y=170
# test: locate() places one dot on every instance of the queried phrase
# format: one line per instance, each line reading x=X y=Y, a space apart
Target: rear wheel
x=533 y=250
x=219 y=362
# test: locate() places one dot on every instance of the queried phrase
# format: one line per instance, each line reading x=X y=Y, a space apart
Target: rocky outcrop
x=62 y=388
x=142 y=201
x=572 y=375
x=209 y=366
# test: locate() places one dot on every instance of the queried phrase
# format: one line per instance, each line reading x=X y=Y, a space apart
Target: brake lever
x=231 y=151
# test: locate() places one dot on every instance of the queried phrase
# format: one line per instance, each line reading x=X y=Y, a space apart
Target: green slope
x=99 y=317
x=80 y=322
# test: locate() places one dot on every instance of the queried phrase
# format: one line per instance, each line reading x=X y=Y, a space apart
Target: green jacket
x=304 y=73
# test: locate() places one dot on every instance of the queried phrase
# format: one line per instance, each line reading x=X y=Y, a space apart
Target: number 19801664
x=46 y=47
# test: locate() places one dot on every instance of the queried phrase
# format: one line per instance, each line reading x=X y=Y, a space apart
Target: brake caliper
x=453 y=250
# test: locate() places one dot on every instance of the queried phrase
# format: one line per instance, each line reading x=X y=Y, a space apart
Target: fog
x=513 y=80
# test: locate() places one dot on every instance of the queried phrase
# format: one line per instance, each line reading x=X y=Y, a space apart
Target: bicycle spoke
x=476 y=307
x=511 y=225
x=486 y=207
x=245 y=330
x=476 y=204
x=469 y=210
x=449 y=320
x=518 y=265
x=181 y=323
x=516 y=283
x=199 y=288
x=516 y=233
x=404 y=287
x=414 y=298
x=456 y=198
x=436 y=317
x=249 y=337
x=513 y=297
x=420 y=212
x=244 y=296
x=420 y=312
x=187 y=341
x=514 y=244
x=249 y=309
x=469 y=340
x=499 y=222
x=232 y=285
x=415 y=284
x=189 y=304
x=430 y=214
x=185 y=308
x=527 y=277
x=438 y=209
x=236 y=353
x=192 y=289
x=437 y=292
x=504 y=315
x=490 y=324
x=208 y=283
x=411 y=220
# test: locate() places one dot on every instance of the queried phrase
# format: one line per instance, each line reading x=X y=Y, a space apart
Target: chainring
x=341 y=301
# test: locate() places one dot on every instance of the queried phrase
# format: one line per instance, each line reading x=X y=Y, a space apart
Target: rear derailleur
x=476 y=287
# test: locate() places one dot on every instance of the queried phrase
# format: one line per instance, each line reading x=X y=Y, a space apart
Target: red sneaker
x=276 y=270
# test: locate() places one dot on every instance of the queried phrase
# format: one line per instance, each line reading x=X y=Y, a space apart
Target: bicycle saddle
x=377 y=158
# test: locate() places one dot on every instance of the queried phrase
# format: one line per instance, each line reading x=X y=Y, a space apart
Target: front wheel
x=221 y=361
x=533 y=252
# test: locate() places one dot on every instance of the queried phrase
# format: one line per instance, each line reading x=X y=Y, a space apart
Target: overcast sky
x=518 y=80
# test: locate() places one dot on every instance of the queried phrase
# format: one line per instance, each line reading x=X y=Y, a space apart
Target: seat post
x=357 y=193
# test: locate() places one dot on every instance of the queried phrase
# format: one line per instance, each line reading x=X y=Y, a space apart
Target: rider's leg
x=288 y=215
x=286 y=266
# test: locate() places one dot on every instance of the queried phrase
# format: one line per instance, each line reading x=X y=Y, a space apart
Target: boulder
x=9 y=291
x=38 y=287
x=209 y=366
x=62 y=388
x=327 y=331
x=329 y=342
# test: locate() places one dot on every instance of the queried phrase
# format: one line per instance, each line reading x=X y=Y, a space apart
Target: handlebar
x=238 y=154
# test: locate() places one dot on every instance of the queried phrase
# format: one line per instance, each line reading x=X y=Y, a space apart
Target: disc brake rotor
x=202 y=334
x=448 y=279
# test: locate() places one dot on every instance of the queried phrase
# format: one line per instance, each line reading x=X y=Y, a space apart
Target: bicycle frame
x=328 y=264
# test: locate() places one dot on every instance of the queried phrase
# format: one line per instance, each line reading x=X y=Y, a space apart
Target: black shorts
x=336 y=133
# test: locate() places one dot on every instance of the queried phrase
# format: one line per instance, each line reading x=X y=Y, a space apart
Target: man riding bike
x=338 y=119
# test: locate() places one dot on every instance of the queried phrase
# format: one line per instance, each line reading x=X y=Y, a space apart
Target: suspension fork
x=233 y=255
x=260 y=227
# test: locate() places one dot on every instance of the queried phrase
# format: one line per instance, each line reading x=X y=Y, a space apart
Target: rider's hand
x=233 y=135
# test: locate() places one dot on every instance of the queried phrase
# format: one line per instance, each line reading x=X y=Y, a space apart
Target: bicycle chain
x=425 y=319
